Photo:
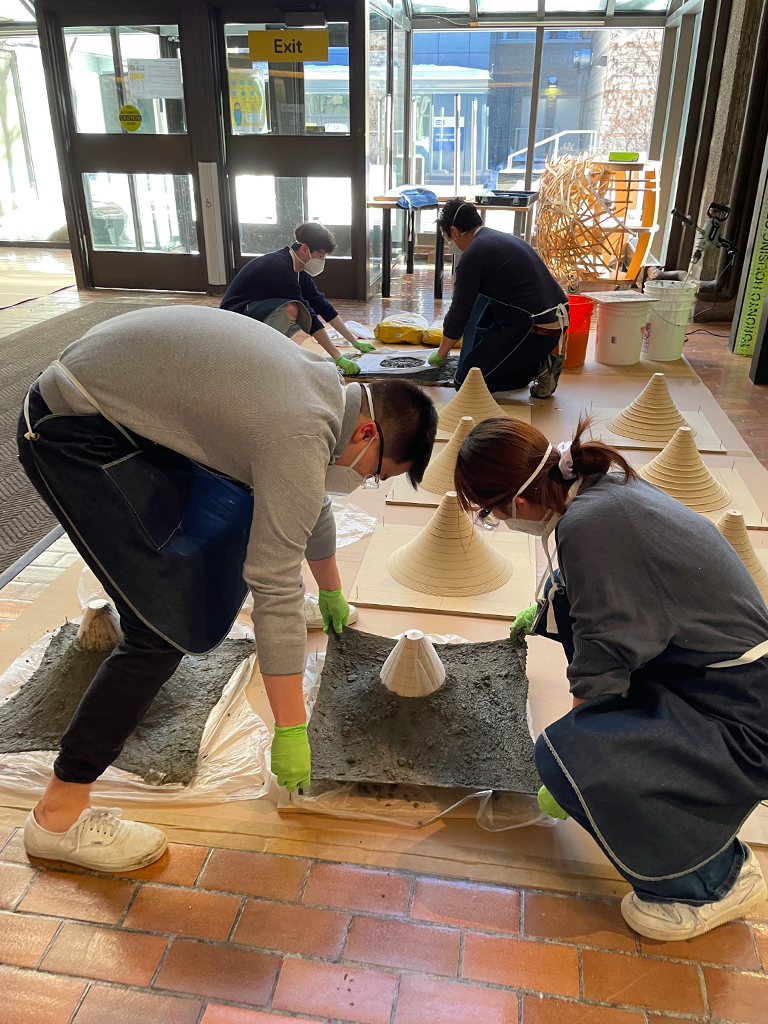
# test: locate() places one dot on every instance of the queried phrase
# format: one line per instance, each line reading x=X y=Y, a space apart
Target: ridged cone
x=439 y=475
x=679 y=471
x=653 y=416
x=472 y=399
x=449 y=558
x=733 y=528
x=99 y=628
x=413 y=668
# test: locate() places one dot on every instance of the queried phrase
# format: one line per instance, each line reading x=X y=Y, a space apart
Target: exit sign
x=289 y=46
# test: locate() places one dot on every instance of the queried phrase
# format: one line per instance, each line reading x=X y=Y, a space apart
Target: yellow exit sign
x=289 y=46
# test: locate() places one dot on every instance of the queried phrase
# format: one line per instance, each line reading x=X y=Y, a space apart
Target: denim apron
x=498 y=340
x=668 y=774
x=167 y=534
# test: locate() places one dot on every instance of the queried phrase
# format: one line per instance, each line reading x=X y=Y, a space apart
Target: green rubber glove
x=549 y=805
x=523 y=621
x=334 y=609
x=436 y=360
x=291 y=758
x=348 y=366
x=364 y=346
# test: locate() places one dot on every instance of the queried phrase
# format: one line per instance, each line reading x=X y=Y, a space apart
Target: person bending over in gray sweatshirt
x=189 y=453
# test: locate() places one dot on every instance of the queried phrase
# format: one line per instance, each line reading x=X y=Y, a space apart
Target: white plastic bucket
x=668 y=318
x=620 y=331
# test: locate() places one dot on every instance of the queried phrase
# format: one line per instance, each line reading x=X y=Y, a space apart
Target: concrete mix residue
x=472 y=732
x=163 y=749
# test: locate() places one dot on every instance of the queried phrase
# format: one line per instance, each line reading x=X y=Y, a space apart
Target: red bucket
x=577 y=335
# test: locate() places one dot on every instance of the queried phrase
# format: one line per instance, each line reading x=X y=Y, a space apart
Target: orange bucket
x=577 y=335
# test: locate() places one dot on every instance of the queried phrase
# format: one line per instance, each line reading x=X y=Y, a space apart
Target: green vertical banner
x=756 y=287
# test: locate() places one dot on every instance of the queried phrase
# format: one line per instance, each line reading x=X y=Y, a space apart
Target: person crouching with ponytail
x=665 y=752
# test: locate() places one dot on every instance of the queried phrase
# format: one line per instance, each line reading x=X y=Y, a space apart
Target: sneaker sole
x=135 y=865
x=664 y=934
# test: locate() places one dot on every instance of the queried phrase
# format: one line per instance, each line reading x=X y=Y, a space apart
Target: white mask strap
x=373 y=417
x=531 y=478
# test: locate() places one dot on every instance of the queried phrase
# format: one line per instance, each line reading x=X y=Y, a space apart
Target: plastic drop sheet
x=232 y=761
x=411 y=807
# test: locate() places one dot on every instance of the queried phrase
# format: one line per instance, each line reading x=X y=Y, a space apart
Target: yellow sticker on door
x=130 y=117
x=289 y=46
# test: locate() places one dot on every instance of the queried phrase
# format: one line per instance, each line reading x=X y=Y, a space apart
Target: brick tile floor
x=284 y=939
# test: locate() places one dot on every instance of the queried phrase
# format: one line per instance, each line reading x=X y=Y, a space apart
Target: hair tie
x=565 y=465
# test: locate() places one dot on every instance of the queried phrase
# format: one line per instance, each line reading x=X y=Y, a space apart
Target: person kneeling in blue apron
x=189 y=453
x=279 y=289
x=509 y=309
x=665 y=752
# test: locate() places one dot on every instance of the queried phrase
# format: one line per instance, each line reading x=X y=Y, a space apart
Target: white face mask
x=535 y=527
x=314 y=266
x=346 y=479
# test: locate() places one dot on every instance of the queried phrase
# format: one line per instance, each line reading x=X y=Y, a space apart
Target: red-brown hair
x=499 y=455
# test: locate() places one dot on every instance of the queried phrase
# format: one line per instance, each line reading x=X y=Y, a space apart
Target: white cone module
x=413 y=669
x=449 y=557
x=439 y=475
x=733 y=528
x=472 y=399
x=653 y=416
x=679 y=470
x=99 y=627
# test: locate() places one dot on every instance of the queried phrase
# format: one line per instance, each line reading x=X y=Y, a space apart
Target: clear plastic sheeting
x=411 y=807
x=362 y=331
x=232 y=761
x=352 y=524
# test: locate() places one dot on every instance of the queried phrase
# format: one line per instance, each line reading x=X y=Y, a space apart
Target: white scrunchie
x=565 y=465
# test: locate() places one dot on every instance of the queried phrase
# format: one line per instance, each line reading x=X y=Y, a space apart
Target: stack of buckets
x=668 y=318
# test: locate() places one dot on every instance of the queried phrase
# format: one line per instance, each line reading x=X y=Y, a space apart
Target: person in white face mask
x=279 y=289
x=190 y=453
x=665 y=752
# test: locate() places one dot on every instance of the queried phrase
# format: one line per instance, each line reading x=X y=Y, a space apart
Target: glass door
x=129 y=153
x=288 y=130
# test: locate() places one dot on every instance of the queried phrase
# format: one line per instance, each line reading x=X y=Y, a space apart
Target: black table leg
x=386 y=252
x=439 y=253
x=411 y=241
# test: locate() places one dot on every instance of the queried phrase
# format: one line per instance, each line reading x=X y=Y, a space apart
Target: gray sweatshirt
x=641 y=572
x=238 y=398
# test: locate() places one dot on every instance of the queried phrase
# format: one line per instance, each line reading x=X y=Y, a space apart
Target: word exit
x=289 y=47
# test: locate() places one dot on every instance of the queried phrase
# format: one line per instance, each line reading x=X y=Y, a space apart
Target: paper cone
x=679 y=471
x=472 y=399
x=653 y=416
x=439 y=475
x=413 y=669
x=733 y=528
x=99 y=627
x=449 y=558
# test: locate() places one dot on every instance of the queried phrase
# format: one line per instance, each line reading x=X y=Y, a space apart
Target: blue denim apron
x=498 y=340
x=668 y=774
x=170 y=536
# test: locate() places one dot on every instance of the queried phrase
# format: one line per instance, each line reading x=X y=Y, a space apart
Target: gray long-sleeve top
x=642 y=571
x=238 y=398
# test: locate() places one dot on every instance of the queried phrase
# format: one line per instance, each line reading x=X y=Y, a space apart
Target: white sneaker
x=312 y=612
x=98 y=840
x=676 y=921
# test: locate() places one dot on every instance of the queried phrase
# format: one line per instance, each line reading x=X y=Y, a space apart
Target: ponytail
x=499 y=455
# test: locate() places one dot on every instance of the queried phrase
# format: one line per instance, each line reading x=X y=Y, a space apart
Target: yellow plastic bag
x=434 y=334
x=402 y=329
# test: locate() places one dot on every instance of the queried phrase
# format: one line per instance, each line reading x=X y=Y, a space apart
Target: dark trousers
x=706 y=885
x=129 y=679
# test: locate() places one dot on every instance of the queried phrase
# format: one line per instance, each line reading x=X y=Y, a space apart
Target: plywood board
x=518 y=411
x=707 y=438
x=741 y=498
x=402 y=492
x=375 y=588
